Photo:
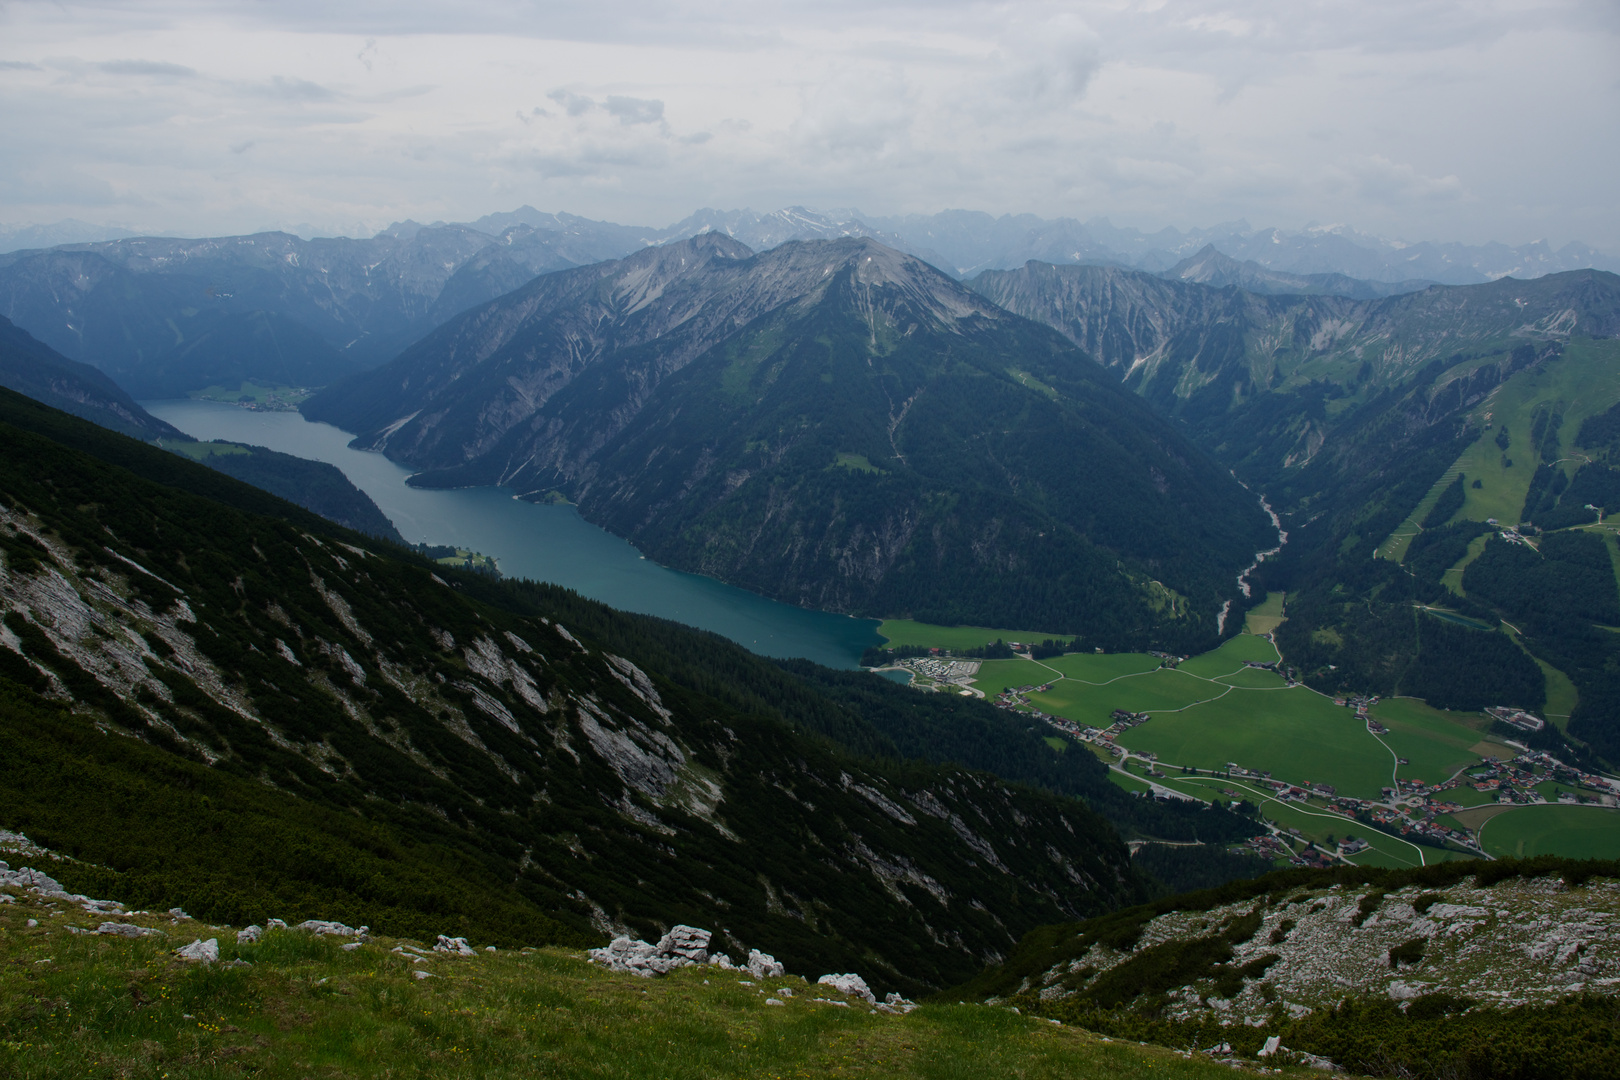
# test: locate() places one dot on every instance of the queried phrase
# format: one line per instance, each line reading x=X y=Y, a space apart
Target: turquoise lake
x=545 y=543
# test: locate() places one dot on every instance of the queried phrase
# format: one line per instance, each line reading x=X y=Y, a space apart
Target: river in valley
x=546 y=543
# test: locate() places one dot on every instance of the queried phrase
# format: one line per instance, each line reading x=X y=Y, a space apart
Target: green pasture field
x=1561 y=695
x=1229 y=657
x=1296 y=735
x=468 y=559
x=1153 y=692
x=996 y=675
x=1577 y=832
x=1468 y=797
x=1585 y=380
x=1394 y=547
x=1254 y=679
x=906 y=632
x=197 y=451
x=1436 y=741
x=1314 y=823
x=1267 y=615
x=248 y=391
x=1452 y=577
x=1129 y=783
x=1212 y=710
x=1098 y=668
x=854 y=462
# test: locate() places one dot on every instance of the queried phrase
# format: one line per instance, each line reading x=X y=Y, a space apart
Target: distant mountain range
x=158 y=314
x=66 y=231
x=831 y=423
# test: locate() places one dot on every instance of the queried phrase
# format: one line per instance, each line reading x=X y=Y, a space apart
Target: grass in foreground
x=87 y=1006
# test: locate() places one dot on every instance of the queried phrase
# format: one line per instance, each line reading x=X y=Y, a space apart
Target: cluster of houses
x=1512 y=535
x=1268 y=846
x=1271 y=847
x=1513 y=781
x=945 y=672
x=1014 y=698
x=1516 y=718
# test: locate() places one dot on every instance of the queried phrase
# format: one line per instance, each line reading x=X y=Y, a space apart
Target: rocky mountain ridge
x=1505 y=968
x=1210 y=267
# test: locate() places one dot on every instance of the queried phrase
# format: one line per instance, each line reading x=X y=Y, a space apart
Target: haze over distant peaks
x=965 y=242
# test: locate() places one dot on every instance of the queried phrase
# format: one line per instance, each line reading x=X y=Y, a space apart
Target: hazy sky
x=1470 y=120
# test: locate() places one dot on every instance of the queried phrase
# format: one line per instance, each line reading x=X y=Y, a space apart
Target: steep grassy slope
x=833 y=424
x=286 y=653
x=110 y=1006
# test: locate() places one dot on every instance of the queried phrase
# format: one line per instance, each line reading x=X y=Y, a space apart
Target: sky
x=1469 y=120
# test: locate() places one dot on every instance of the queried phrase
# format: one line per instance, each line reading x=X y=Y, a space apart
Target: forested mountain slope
x=37 y=371
x=1262 y=381
x=830 y=423
x=288 y=676
x=30 y=367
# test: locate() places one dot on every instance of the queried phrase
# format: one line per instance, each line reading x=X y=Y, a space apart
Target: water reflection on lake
x=547 y=543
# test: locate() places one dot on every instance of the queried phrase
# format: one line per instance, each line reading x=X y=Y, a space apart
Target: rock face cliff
x=1490 y=969
x=831 y=423
x=606 y=797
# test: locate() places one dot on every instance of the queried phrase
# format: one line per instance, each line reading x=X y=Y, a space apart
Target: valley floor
x=1311 y=762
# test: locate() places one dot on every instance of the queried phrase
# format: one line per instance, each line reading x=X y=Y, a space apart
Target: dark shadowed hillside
x=830 y=423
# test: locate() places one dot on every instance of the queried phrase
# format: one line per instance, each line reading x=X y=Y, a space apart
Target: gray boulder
x=129 y=930
x=334 y=929
x=206 y=952
x=764 y=965
x=683 y=946
x=688 y=942
x=850 y=984
x=250 y=934
x=455 y=946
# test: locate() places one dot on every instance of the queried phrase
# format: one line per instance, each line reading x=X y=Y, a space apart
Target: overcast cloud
x=1472 y=120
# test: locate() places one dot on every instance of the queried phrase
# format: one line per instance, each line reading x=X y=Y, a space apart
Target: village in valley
x=1419 y=813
